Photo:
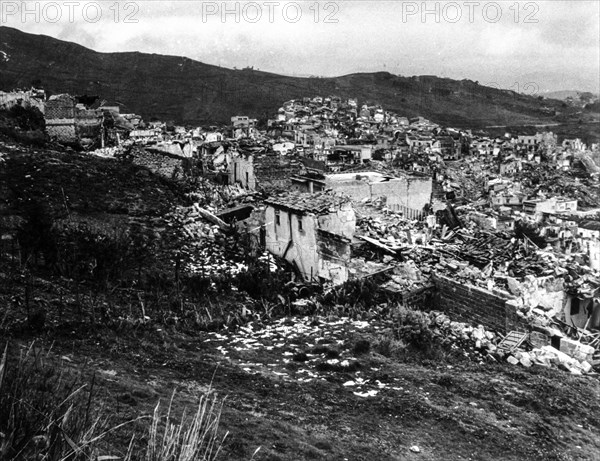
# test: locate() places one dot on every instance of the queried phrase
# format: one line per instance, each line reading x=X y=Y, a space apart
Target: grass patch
x=49 y=412
x=188 y=439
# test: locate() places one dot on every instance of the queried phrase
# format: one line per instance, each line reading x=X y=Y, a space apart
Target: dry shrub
x=45 y=411
x=49 y=413
x=193 y=438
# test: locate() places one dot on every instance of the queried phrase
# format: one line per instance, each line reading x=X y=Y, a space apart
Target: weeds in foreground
x=45 y=412
x=48 y=413
x=193 y=438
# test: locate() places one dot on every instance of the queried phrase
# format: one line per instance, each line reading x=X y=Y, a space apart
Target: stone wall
x=275 y=171
x=476 y=305
x=158 y=163
x=62 y=130
x=405 y=194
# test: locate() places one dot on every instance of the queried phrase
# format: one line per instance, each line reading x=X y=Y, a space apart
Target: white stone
x=478 y=333
x=585 y=366
x=525 y=361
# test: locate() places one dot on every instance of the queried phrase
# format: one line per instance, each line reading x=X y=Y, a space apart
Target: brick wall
x=67 y=123
x=88 y=123
x=62 y=132
x=475 y=305
x=275 y=171
x=61 y=107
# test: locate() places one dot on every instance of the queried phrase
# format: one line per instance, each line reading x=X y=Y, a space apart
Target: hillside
x=295 y=386
x=90 y=297
x=182 y=90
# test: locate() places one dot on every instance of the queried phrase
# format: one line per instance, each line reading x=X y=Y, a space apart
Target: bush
x=361 y=298
x=413 y=328
x=409 y=337
x=388 y=346
x=33 y=138
x=28 y=118
x=262 y=284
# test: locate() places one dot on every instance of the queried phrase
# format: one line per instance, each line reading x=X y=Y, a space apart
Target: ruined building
x=313 y=232
x=408 y=193
x=70 y=122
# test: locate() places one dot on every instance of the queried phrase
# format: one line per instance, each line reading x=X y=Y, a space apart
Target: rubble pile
x=380 y=223
x=406 y=277
x=159 y=164
x=480 y=344
x=107 y=152
x=205 y=247
x=190 y=222
x=533 y=280
x=463 y=181
x=545 y=179
x=548 y=356
x=210 y=261
x=485 y=247
x=208 y=194
x=477 y=343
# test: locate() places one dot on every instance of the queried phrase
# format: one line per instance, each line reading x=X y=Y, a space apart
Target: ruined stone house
x=69 y=122
x=265 y=170
x=409 y=193
x=313 y=232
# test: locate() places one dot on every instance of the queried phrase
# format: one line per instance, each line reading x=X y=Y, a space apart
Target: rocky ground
x=333 y=388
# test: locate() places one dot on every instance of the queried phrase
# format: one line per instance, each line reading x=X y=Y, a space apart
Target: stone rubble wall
x=476 y=305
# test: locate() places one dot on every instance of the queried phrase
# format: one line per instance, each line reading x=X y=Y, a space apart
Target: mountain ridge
x=182 y=90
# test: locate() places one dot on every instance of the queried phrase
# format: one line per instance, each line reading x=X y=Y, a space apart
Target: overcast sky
x=550 y=45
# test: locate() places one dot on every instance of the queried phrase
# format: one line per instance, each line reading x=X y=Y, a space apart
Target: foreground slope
x=284 y=381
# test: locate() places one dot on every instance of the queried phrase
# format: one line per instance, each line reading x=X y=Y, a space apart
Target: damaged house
x=349 y=155
x=409 y=193
x=252 y=170
x=68 y=121
x=313 y=232
x=588 y=233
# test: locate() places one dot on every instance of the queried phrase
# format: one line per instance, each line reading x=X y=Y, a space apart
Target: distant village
x=502 y=231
